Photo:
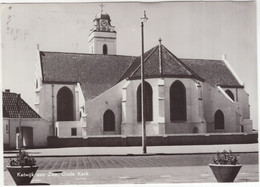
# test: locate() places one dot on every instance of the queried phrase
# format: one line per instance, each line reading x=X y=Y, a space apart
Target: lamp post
x=143 y=19
x=18 y=104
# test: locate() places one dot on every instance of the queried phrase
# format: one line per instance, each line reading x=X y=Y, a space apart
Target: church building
x=99 y=93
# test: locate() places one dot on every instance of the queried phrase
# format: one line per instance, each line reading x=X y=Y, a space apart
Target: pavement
x=184 y=149
x=128 y=165
x=149 y=175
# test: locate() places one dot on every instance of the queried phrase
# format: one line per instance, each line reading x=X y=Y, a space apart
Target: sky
x=200 y=30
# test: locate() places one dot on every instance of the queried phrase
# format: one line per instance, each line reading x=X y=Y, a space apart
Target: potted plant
x=225 y=166
x=22 y=168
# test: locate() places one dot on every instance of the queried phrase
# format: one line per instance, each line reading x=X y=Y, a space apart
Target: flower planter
x=22 y=175
x=225 y=173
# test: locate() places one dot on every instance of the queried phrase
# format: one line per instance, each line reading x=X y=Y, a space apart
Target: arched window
x=219 y=120
x=178 y=102
x=230 y=94
x=148 y=102
x=109 y=121
x=104 y=49
x=64 y=105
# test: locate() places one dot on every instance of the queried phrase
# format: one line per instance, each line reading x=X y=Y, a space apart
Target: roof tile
x=10 y=109
x=95 y=73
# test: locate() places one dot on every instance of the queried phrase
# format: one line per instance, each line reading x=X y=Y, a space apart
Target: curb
x=142 y=154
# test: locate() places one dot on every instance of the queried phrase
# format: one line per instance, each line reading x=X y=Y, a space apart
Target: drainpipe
x=52 y=103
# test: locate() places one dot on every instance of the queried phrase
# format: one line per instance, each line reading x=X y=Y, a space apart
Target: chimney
x=224 y=57
x=7 y=90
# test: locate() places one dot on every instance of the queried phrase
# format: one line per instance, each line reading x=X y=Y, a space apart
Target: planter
x=225 y=173
x=22 y=175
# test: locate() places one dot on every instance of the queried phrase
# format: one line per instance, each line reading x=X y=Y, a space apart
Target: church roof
x=96 y=73
x=160 y=62
x=215 y=72
x=102 y=15
x=10 y=109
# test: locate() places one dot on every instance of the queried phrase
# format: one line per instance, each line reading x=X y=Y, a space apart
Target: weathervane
x=101 y=6
x=144 y=19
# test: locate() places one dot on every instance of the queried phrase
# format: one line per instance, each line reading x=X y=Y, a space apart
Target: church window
x=73 y=131
x=109 y=121
x=104 y=49
x=219 y=120
x=148 y=102
x=64 y=104
x=230 y=94
x=178 y=102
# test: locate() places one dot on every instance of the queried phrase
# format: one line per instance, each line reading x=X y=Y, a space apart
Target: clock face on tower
x=103 y=23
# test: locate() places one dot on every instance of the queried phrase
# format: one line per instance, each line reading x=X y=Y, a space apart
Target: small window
x=104 y=49
x=73 y=131
x=56 y=131
x=230 y=94
x=242 y=128
x=7 y=128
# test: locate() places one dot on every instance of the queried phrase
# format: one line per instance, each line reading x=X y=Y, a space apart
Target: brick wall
x=198 y=139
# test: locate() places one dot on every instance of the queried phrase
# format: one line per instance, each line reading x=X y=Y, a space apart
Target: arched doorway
x=109 y=121
x=178 y=102
x=65 y=105
x=27 y=137
x=219 y=120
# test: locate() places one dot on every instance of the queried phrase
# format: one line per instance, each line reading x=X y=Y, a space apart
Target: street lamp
x=143 y=19
x=18 y=104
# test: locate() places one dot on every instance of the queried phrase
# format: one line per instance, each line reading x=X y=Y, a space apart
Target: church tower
x=102 y=37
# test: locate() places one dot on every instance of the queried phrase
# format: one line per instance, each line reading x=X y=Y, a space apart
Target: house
x=34 y=129
x=99 y=93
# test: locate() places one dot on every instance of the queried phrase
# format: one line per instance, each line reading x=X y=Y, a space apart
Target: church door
x=65 y=105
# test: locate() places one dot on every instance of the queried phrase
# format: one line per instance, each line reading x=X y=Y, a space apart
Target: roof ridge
x=90 y=54
x=183 y=64
x=153 y=49
x=201 y=59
